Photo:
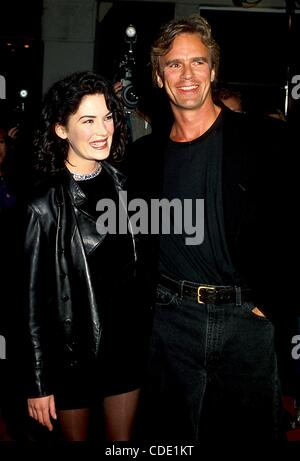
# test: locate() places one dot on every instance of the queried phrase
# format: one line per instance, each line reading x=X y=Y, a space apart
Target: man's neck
x=190 y=124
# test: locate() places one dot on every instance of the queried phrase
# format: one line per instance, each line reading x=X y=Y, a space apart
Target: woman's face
x=89 y=133
x=3 y=145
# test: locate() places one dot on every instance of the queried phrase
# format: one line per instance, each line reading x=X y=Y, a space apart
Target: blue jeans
x=212 y=373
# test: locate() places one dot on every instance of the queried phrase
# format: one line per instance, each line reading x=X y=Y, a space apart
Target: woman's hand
x=41 y=409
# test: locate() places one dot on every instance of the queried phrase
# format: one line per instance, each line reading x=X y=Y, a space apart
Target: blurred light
x=23 y=93
x=26 y=45
x=130 y=31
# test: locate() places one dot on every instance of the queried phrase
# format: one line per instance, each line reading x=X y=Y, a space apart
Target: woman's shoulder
x=45 y=190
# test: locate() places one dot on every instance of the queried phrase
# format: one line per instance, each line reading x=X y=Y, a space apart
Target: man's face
x=185 y=72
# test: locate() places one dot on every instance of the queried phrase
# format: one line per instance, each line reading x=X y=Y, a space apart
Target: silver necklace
x=84 y=177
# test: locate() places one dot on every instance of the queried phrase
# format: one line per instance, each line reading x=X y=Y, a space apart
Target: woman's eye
x=109 y=117
x=89 y=120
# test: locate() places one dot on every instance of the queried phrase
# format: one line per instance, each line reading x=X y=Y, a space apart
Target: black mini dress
x=118 y=367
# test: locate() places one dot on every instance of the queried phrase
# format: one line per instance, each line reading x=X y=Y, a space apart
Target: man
x=212 y=370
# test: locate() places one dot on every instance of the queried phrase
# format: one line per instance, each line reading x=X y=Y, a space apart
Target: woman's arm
x=37 y=273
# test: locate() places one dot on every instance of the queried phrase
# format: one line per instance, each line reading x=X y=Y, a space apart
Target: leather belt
x=206 y=294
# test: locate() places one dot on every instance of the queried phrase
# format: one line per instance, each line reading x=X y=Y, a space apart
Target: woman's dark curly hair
x=63 y=100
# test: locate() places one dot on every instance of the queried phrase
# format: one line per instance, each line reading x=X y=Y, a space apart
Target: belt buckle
x=201 y=287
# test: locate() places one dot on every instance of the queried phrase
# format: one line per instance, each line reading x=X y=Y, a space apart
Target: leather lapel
x=88 y=230
x=85 y=221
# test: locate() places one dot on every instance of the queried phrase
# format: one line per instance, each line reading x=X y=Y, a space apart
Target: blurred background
x=42 y=40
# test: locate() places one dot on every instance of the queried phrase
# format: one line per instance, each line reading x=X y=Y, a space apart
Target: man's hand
x=41 y=409
x=257 y=312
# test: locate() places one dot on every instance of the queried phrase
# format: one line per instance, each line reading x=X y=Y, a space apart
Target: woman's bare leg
x=119 y=414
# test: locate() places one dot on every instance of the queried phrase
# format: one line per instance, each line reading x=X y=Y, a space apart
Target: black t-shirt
x=97 y=188
x=193 y=170
x=111 y=262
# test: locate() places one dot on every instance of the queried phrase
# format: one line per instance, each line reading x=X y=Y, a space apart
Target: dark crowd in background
x=255 y=69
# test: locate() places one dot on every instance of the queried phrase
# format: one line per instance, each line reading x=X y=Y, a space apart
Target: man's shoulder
x=147 y=149
x=255 y=126
x=239 y=119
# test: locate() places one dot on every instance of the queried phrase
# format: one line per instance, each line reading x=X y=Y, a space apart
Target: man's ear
x=61 y=131
x=212 y=75
x=159 y=81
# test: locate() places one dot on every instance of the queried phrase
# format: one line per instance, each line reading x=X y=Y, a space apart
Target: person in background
x=212 y=371
x=138 y=118
x=7 y=195
x=7 y=200
x=278 y=114
x=229 y=97
x=7 y=227
x=81 y=319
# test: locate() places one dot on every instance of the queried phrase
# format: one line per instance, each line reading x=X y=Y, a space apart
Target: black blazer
x=256 y=154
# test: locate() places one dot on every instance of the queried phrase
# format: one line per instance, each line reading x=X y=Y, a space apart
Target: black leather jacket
x=60 y=234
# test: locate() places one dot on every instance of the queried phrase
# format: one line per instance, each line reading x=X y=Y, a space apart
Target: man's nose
x=187 y=71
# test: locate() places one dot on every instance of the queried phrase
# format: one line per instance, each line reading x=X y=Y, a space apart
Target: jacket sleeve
x=37 y=303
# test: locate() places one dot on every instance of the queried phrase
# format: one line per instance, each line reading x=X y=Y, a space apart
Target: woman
x=81 y=313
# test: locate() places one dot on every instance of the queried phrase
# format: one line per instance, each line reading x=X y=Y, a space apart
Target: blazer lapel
x=235 y=175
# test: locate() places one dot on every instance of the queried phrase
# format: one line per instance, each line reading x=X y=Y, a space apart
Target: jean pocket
x=164 y=297
x=255 y=312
